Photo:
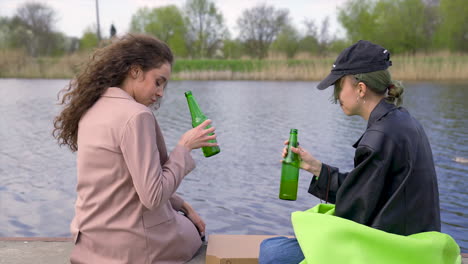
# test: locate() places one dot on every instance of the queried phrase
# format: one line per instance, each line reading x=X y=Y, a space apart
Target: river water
x=235 y=191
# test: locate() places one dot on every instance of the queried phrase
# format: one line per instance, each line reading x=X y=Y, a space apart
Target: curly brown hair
x=107 y=67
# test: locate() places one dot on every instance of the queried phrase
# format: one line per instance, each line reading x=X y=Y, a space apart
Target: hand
x=195 y=218
x=198 y=137
x=308 y=162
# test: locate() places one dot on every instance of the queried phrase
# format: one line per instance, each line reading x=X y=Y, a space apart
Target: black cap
x=361 y=57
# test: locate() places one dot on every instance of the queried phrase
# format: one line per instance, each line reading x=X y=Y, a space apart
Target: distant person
x=113 y=31
x=393 y=186
x=127 y=207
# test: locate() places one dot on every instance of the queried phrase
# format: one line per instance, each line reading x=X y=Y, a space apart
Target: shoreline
x=418 y=67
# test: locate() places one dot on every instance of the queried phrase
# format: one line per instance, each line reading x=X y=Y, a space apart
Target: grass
x=252 y=69
x=15 y=64
x=441 y=66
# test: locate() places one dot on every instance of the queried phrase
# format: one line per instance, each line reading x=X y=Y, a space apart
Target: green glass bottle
x=290 y=170
x=197 y=118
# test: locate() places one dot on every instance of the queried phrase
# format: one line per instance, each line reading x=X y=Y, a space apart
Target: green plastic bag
x=328 y=239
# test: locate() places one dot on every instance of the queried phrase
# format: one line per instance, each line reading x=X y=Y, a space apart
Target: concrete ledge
x=50 y=250
x=42 y=239
x=22 y=252
x=56 y=250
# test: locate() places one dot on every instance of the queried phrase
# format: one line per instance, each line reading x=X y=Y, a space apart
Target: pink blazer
x=126 y=204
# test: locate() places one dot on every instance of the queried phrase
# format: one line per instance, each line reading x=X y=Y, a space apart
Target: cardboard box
x=234 y=249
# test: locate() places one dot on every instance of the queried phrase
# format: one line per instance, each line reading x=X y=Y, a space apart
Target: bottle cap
x=188 y=93
x=293 y=131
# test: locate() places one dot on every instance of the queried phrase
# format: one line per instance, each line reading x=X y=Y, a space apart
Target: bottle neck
x=293 y=140
x=291 y=156
x=194 y=108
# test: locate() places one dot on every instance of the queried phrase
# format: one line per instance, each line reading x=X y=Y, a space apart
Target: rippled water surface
x=235 y=191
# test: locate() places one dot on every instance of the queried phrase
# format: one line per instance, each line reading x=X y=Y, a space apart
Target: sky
x=74 y=17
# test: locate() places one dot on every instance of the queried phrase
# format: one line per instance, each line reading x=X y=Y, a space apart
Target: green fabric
x=328 y=239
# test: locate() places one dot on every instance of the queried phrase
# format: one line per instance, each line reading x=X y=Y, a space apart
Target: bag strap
x=328 y=184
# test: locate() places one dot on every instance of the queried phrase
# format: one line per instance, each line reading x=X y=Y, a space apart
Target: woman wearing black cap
x=393 y=186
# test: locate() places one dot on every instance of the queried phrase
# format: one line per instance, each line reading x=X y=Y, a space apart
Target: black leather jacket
x=393 y=186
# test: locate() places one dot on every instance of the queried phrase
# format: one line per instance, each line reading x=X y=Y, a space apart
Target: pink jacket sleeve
x=176 y=202
x=154 y=184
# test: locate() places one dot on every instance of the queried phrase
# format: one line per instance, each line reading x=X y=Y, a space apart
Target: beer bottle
x=197 y=118
x=290 y=170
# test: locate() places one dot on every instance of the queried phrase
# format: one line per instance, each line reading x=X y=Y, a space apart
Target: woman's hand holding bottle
x=308 y=162
x=198 y=136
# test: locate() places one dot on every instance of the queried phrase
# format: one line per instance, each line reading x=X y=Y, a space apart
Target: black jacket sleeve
x=358 y=193
x=329 y=181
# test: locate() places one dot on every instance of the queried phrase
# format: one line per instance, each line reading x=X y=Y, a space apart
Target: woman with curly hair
x=127 y=209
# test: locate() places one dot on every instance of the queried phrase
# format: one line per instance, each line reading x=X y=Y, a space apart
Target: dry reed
x=441 y=66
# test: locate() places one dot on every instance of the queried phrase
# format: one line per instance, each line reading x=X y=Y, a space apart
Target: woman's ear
x=362 y=89
x=135 y=72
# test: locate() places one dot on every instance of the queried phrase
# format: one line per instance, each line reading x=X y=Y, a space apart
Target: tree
x=206 y=29
x=338 y=45
x=166 y=23
x=232 y=49
x=31 y=29
x=36 y=20
x=359 y=19
x=141 y=19
x=452 y=32
x=433 y=19
x=398 y=25
x=16 y=34
x=310 y=42
x=407 y=33
x=287 y=41
x=4 y=33
x=89 y=40
x=324 y=37
x=259 y=26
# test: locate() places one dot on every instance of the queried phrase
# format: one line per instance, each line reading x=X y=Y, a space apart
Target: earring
x=357 y=99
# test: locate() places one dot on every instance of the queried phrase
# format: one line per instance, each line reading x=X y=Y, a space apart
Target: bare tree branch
x=259 y=26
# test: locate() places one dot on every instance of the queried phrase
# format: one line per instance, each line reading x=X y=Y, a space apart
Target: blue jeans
x=280 y=250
